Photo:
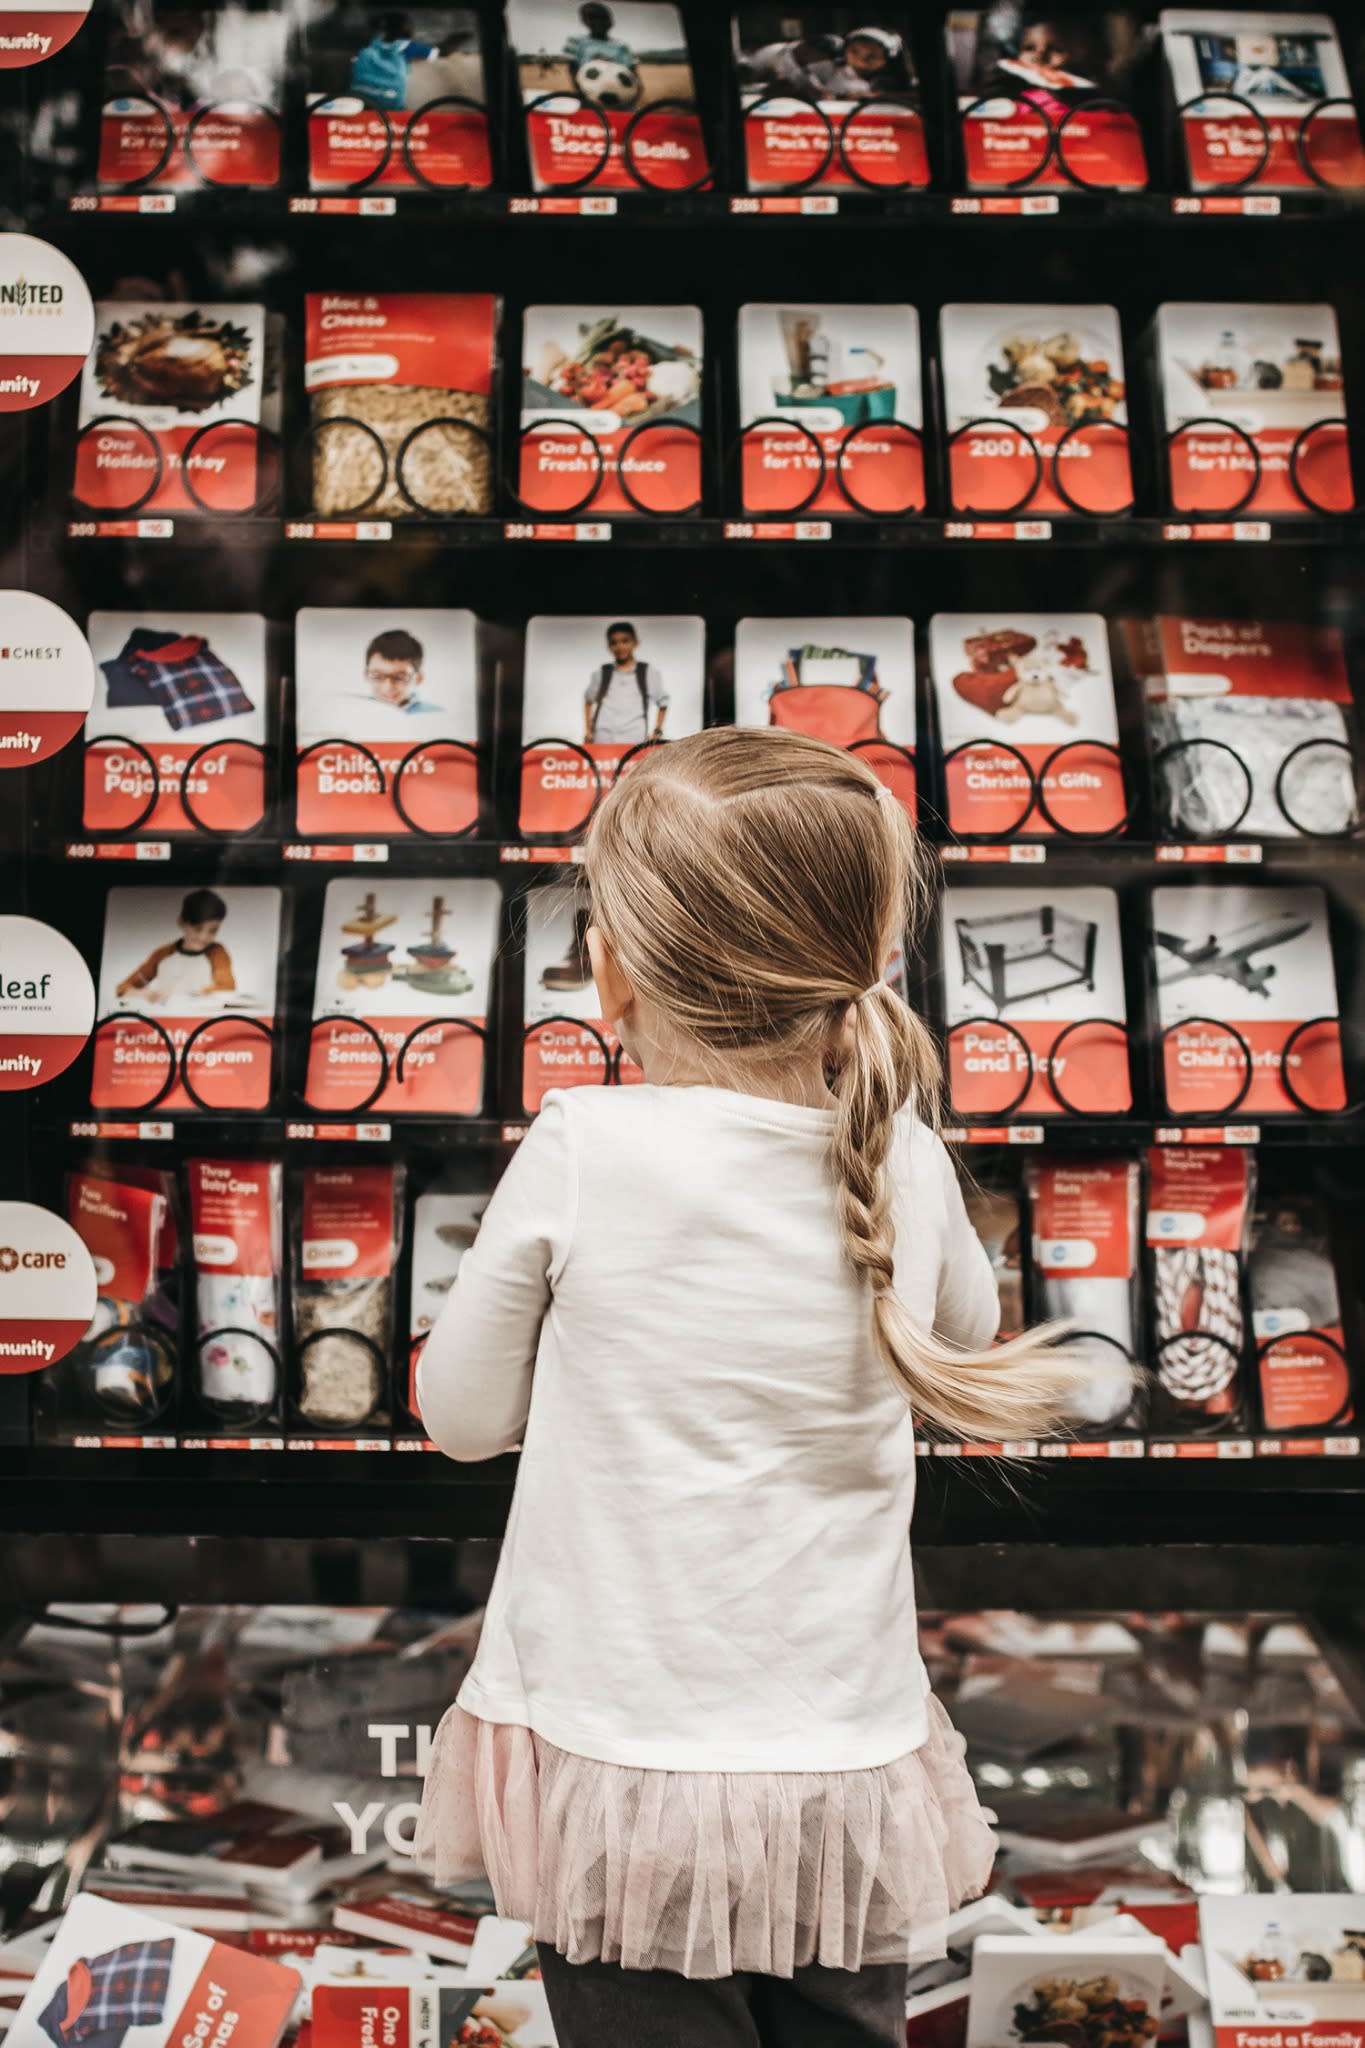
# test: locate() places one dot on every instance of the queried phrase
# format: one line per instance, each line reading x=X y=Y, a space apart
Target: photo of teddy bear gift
x=1028 y=724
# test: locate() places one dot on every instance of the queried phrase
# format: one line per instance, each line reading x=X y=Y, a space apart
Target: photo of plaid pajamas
x=180 y=673
x=101 y=1999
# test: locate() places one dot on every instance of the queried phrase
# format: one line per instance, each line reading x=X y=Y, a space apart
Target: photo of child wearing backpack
x=625 y=702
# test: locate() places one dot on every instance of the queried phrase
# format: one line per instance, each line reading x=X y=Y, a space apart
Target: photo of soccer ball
x=607 y=84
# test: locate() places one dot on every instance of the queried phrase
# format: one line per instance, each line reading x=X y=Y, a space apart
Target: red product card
x=192 y=102
x=444 y=339
x=230 y=1204
x=1252 y=658
x=347 y=1223
x=1082 y=1220
x=120 y=1226
x=1265 y=100
x=1041 y=101
x=850 y=681
x=397 y=102
x=1197 y=1194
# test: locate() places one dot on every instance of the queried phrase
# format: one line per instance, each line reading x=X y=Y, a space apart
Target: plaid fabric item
x=126 y=675
x=124 y=1988
x=180 y=673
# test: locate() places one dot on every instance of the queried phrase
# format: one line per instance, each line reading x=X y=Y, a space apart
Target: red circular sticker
x=47 y=321
x=47 y=677
x=28 y=35
x=47 y=1003
x=47 y=1287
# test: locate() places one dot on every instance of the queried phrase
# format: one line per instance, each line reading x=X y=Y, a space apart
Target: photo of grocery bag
x=1034 y=1003
x=830 y=410
x=850 y=681
x=1027 y=724
x=1042 y=97
x=400 y=998
x=1036 y=410
x=1302 y=1370
x=444 y=1226
x=396 y=101
x=236 y=1240
x=386 y=722
x=1254 y=408
x=1199 y=1202
x=179 y=410
x=611 y=408
x=1264 y=100
x=567 y=1041
x=348 y=1228
x=595 y=691
x=186 y=1003
x=400 y=402
x=1084 y=1228
x=608 y=95
x=176 y=737
x=1251 y=727
x=191 y=97
x=1246 y=997
x=828 y=98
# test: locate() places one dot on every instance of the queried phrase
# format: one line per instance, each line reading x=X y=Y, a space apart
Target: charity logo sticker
x=47 y=1003
x=47 y=678
x=28 y=35
x=47 y=1287
x=47 y=321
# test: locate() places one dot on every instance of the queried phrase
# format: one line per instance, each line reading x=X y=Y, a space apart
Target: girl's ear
x=614 y=992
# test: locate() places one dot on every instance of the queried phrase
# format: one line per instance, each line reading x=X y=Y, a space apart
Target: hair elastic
x=872 y=989
x=883 y=793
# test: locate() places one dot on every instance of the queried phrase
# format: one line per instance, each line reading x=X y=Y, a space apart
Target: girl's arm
x=474 y=1375
x=967 y=1311
x=141 y=977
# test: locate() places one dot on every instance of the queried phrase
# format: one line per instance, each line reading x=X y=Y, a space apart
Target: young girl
x=697 y=1749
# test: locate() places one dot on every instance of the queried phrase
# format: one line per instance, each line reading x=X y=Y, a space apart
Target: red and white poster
x=29 y=35
x=850 y=681
x=112 y=1971
x=829 y=99
x=400 y=999
x=176 y=736
x=1255 y=409
x=609 y=98
x=1287 y=1966
x=611 y=403
x=1085 y=1222
x=830 y=410
x=1246 y=1001
x=568 y=1043
x=1027 y=724
x=1034 y=1003
x=47 y=1003
x=1302 y=1367
x=386 y=719
x=1265 y=100
x=47 y=678
x=444 y=1226
x=172 y=409
x=235 y=1220
x=1250 y=727
x=595 y=691
x=438 y=2011
x=46 y=320
x=187 y=999
x=47 y=1288
x=1041 y=97
x=1036 y=406
x=192 y=98
x=396 y=102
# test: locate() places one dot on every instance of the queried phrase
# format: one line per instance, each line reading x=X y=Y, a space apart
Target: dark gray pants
x=595 y=2003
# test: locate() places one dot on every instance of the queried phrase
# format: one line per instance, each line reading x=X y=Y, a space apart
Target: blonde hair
x=751 y=885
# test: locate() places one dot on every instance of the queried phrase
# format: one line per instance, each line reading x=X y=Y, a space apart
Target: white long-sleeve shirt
x=706 y=1564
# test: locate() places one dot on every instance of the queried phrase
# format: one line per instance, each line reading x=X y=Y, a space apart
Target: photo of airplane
x=1233 y=956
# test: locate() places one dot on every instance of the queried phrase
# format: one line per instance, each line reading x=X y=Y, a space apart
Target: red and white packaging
x=192 y=100
x=1199 y=1201
x=413 y=1917
x=1265 y=1959
x=47 y=678
x=1247 y=1001
x=1250 y=724
x=441 y=2008
x=121 y=1377
x=1085 y=1221
x=386 y=717
x=1034 y=999
x=568 y=1043
x=123 y=1971
x=403 y=965
x=595 y=691
x=174 y=410
x=177 y=695
x=250 y=1842
x=1301 y=1362
x=398 y=111
x=1254 y=408
x=1027 y=723
x=30 y=35
x=831 y=411
x=400 y=392
x=821 y=116
x=1036 y=407
x=610 y=112
x=850 y=681
x=611 y=411
x=443 y=1228
x=181 y=965
x=346 y=1251
x=1041 y=98
x=1264 y=99
x=237 y=1245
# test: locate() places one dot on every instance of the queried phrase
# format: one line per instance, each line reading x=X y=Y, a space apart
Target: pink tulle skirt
x=708 y=1874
